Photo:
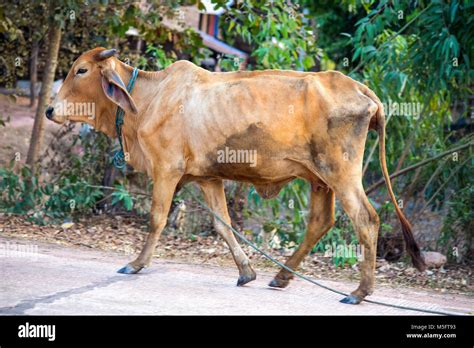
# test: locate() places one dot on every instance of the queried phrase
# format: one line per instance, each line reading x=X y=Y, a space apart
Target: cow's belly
x=267 y=179
x=253 y=155
x=268 y=175
x=260 y=174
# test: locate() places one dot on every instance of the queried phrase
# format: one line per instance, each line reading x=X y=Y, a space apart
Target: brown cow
x=179 y=121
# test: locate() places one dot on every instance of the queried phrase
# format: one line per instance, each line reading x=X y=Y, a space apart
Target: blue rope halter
x=119 y=156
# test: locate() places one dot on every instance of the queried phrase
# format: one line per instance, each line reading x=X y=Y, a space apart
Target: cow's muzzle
x=49 y=112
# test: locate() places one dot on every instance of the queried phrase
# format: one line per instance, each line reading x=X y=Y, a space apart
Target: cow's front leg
x=164 y=187
x=215 y=197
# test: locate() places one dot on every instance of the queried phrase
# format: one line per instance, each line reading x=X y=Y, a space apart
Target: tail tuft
x=412 y=247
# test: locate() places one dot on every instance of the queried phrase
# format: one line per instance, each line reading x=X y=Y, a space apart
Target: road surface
x=48 y=279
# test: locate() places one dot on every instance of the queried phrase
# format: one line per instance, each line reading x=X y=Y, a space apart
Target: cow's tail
x=411 y=245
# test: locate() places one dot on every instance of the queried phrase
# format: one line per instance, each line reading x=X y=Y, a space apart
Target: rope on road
x=299 y=275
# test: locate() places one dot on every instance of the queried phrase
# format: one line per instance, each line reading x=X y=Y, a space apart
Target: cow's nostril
x=49 y=112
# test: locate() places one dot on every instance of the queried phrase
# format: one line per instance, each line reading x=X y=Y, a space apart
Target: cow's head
x=92 y=90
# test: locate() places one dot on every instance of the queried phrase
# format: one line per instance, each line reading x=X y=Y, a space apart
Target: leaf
x=454 y=45
x=308 y=62
x=128 y=202
x=356 y=54
x=361 y=21
x=454 y=8
x=231 y=25
x=201 y=6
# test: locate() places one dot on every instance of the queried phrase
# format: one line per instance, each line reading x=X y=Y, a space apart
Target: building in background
x=206 y=23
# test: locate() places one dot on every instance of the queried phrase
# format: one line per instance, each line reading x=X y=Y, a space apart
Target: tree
x=277 y=33
x=21 y=23
x=33 y=70
x=54 y=41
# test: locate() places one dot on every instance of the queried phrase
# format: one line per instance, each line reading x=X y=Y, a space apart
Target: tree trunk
x=33 y=71
x=54 y=38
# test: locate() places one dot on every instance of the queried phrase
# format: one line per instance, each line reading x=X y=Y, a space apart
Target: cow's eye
x=81 y=71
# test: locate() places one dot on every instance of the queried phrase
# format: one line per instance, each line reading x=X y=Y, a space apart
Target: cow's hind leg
x=163 y=190
x=321 y=220
x=366 y=224
x=215 y=197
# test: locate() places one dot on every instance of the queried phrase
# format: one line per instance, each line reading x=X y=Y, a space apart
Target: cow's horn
x=106 y=54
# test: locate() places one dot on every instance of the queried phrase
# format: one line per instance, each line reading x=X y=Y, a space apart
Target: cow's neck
x=145 y=83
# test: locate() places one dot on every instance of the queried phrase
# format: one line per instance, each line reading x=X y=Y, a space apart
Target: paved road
x=59 y=280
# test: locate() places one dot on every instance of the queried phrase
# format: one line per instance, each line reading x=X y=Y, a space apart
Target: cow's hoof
x=279 y=283
x=128 y=269
x=351 y=299
x=245 y=279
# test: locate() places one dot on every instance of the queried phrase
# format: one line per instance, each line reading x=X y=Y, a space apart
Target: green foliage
x=73 y=186
x=456 y=236
x=121 y=194
x=16 y=197
x=342 y=235
x=277 y=32
x=416 y=53
x=430 y=44
x=286 y=214
x=23 y=193
x=89 y=24
x=20 y=23
x=160 y=60
x=73 y=189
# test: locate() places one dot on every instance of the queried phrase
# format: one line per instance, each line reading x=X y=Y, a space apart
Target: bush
x=456 y=236
x=70 y=185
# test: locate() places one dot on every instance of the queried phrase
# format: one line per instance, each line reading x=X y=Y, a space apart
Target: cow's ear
x=116 y=91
